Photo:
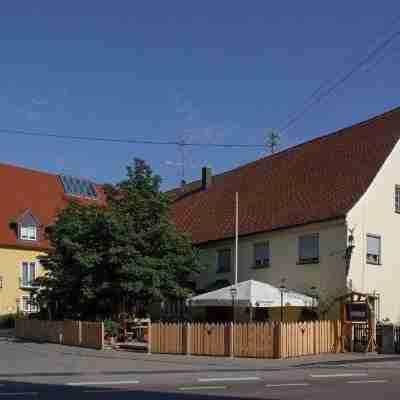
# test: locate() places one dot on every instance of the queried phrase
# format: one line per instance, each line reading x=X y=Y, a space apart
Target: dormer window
x=28 y=227
x=28 y=232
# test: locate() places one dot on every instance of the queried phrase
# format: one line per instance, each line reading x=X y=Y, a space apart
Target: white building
x=322 y=216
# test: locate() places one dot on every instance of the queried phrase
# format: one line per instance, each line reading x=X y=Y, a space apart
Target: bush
x=111 y=328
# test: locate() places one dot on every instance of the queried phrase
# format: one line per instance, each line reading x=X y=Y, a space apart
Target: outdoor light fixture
x=282 y=288
x=314 y=295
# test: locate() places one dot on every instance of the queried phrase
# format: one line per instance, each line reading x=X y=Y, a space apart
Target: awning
x=252 y=294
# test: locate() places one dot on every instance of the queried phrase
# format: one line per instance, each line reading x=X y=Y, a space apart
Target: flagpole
x=234 y=291
x=236 y=236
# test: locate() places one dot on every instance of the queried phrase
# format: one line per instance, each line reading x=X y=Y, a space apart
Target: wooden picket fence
x=304 y=338
x=72 y=333
x=258 y=340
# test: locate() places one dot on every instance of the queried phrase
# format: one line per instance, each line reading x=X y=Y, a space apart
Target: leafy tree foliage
x=105 y=257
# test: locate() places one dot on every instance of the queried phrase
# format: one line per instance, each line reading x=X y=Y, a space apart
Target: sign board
x=357 y=312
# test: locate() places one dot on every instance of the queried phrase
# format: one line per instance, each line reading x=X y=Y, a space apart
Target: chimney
x=206 y=177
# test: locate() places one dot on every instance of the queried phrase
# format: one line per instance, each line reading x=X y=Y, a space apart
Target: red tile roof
x=319 y=180
x=24 y=189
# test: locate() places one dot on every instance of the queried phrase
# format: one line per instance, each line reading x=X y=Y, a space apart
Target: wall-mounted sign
x=357 y=312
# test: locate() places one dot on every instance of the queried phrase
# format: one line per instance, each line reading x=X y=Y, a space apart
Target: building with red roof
x=30 y=202
x=321 y=216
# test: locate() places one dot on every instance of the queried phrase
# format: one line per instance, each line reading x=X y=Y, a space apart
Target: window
x=309 y=249
x=28 y=232
x=397 y=198
x=261 y=255
x=28 y=305
x=373 y=249
x=224 y=260
x=28 y=274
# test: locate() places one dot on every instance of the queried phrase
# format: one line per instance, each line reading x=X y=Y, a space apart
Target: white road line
x=348 y=375
x=102 y=391
x=202 y=388
x=19 y=394
x=287 y=384
x=103 y=383
x=229 y=379
x=370 y=381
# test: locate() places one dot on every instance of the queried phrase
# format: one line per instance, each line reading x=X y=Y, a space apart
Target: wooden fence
x=92 y=334
x=305 y=338
x=259 y=340
x=73 y=333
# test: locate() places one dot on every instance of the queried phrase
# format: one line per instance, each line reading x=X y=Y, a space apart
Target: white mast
x=236 y=236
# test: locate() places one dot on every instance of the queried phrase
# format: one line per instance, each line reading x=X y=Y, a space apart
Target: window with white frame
x=224 y=260
x=309 y=249
x=374 y=249
x=28 y=305
x=261 y=255
x=397 y=198
x=28 y=232
x=28 y=274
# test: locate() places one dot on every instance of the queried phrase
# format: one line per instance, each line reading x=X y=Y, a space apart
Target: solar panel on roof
x=78 y=187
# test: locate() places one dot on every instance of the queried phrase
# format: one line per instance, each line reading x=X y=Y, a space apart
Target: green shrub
x=111 y=328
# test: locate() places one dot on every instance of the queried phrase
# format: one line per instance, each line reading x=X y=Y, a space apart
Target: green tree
x=105 y=257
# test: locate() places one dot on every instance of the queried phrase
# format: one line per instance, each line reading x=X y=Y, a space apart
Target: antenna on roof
x=273 y=141
x=181 y=146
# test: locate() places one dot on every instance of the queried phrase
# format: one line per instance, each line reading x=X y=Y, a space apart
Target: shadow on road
x=6 y=333
x=367 y=360
x=13 y=390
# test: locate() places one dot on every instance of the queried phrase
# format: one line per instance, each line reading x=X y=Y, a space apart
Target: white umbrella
x=252 y=294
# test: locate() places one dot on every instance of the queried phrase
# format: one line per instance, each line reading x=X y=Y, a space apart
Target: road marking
x=370 y=381
x=103 y=383
x=229 y=379
x=102 y=391
x=202 y=388
x=287 y=384
x=19 y=394
x=349 y=375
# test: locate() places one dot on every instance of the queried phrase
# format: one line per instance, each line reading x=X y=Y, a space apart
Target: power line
x=126 y=141
x=319 y=94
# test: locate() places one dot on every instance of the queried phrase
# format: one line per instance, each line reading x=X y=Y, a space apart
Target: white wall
x=328 y=276
x=375 y=214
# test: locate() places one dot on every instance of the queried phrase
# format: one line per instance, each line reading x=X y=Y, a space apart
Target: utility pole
x=273 y=141
x=181 y=146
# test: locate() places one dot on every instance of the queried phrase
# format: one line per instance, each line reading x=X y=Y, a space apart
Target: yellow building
x=30 y=202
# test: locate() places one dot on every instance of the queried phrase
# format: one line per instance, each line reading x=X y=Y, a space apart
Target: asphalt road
x=43 y=371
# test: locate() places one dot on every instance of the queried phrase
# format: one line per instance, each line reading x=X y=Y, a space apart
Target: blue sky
x=209 y=71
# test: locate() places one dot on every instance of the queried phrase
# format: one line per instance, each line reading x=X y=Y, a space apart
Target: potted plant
x=111 y=330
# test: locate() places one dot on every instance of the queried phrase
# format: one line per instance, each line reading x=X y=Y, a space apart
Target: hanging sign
x=357 y=312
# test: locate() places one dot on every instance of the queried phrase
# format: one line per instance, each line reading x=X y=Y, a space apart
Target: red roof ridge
x=312 y=181
x=292 y=148
x=13 y=166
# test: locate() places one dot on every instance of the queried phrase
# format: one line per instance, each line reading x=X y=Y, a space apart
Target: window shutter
x=373 y=245
x=25 y=273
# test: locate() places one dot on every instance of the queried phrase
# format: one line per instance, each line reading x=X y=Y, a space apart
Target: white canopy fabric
x=252 y=294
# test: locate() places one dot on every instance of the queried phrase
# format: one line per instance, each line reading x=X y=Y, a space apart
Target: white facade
x=375 y=214
x=328 y=276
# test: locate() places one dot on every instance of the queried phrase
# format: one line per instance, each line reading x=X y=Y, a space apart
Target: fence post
x=315 y=336
x=79 y=333
x=61 y=333
x=149 y=339
x=277 y=339
x=188 y=338
x=102 y=335
x=232 y=339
